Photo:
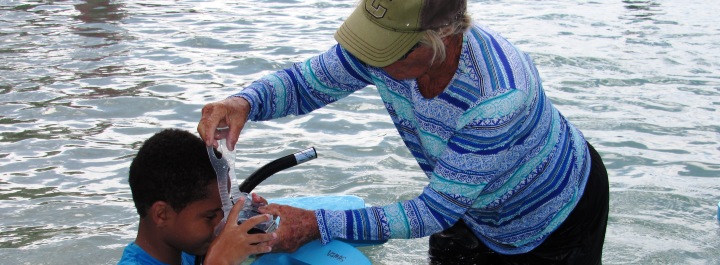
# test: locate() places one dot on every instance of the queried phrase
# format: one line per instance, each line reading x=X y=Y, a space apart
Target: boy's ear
x=161 y=213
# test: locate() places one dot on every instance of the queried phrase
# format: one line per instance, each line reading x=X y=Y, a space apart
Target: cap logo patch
x=376 y=10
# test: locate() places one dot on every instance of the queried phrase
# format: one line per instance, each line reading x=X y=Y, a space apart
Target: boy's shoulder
x=135 y=255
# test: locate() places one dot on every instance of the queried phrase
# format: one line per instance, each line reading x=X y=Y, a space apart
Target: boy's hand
x=234 y=244
x=297 y=227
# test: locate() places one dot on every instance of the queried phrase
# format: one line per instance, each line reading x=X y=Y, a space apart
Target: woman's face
x=413 y=65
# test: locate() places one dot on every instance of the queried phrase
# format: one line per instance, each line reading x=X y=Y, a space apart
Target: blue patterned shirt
x=498 y=155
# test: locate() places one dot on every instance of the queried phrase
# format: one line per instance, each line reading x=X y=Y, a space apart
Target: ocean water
x=83 y=83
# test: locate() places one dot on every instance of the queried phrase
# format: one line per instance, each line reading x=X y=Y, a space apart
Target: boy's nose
x=219 y=227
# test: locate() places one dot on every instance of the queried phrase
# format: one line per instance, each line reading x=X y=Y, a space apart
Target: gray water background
x=83 y=83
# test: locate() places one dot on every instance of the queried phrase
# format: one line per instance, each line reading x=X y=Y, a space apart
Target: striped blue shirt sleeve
x=305 y=86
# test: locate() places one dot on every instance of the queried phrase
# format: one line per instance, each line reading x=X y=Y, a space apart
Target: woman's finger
x=233 y=134
x=273 y=208
x=259 y=199
x=209 y=122
x=221 y=133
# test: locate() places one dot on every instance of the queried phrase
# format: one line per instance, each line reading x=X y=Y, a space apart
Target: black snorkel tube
x=223 y=170
x=250 y=208
x=276 y=166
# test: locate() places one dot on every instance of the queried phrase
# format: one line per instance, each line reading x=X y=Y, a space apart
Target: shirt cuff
x=325 y=236
x=252 y=99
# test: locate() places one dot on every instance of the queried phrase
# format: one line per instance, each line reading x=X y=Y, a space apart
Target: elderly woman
x=510 y=179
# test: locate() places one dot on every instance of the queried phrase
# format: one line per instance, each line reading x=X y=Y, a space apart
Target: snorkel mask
x=230 y=192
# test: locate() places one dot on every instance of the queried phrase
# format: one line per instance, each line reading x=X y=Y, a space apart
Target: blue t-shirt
x=134 y=255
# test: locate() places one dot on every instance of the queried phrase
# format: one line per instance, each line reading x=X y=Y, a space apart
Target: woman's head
x=431 y=52
x=379 y=32
x=433 y=38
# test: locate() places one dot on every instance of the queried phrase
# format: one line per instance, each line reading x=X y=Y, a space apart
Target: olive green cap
x=379 y=32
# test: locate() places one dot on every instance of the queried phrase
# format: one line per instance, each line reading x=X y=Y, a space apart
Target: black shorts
x=579 y=240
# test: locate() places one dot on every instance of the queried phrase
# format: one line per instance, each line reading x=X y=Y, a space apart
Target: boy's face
x=192 y=229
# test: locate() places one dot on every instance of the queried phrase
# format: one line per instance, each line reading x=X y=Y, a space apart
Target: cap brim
x=371 y=43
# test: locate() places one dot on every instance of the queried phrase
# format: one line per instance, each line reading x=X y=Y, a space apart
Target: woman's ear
x=161 y=213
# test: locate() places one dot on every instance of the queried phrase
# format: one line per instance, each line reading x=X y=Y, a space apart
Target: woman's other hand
x=297 y=227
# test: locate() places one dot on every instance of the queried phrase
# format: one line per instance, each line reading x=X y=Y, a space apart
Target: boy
x=175 y=191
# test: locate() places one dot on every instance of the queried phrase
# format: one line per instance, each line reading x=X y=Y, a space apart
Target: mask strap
x=225 y=171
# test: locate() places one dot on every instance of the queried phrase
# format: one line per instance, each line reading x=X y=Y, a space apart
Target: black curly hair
x=171 y=166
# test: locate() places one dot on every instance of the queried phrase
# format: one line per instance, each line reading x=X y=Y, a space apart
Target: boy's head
x=174 y=188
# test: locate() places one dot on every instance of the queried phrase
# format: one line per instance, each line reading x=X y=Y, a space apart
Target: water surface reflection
x=642 y=9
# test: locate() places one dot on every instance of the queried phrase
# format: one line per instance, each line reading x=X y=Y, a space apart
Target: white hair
x=434 y=37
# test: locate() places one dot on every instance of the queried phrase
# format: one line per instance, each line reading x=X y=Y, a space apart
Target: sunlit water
x=82 y=84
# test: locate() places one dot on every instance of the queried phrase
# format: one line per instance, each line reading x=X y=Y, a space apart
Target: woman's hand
x=234 y=244
x=259 y=199
x=297 y=227
x=232 y=113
